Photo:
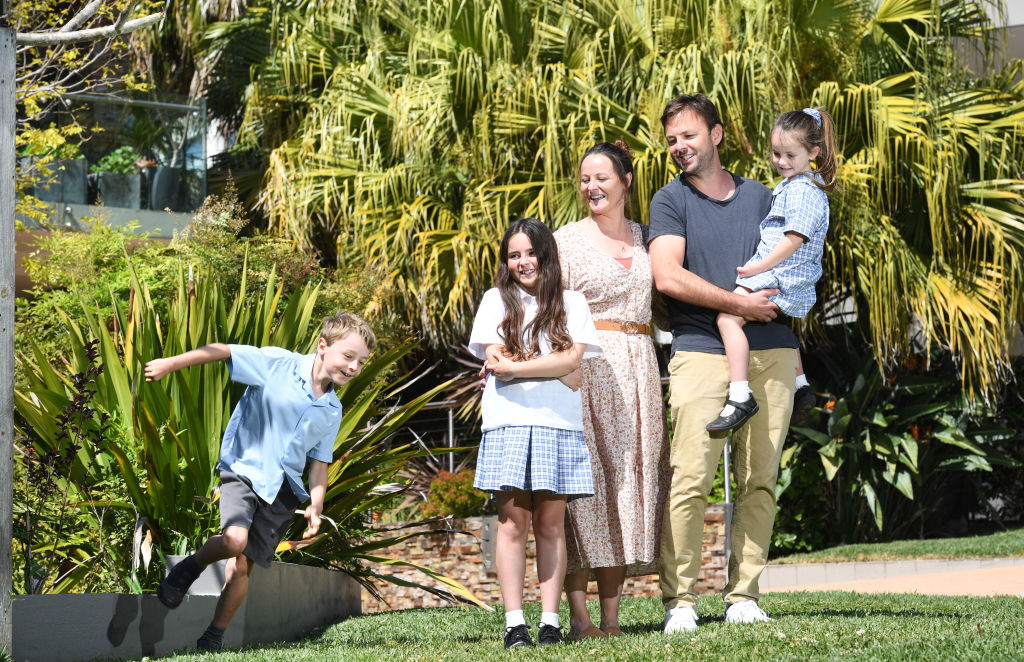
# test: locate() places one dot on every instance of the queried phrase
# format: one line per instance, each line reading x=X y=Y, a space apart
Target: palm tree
x=409 y=134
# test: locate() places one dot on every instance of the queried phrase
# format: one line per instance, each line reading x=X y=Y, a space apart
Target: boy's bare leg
x=228 y=545
x=549 y=530
x=236 y=585
x=510 y=550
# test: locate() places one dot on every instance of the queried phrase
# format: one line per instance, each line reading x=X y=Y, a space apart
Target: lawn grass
x=995 y=545
x=808 y=626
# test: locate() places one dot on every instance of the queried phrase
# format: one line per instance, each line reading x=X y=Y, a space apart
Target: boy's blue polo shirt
x=278 y=423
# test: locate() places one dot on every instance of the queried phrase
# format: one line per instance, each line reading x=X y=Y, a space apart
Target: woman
x=616 y=532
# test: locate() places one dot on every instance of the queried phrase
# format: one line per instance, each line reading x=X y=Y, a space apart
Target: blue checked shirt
x=278 y=423
x=800 y=206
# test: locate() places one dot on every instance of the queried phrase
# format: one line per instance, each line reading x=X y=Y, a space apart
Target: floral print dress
x=623 y=413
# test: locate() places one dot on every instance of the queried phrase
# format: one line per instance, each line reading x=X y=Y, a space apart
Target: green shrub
x=148 y=450
x=890 y=456
x=121 y=161
x=83 y=273
x=453 y=494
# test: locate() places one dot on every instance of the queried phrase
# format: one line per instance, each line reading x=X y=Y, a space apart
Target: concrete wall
x=284 y=603
x=468 y=558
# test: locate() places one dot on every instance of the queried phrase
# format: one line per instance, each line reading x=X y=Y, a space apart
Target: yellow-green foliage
x=409 y=134
x=46 y=74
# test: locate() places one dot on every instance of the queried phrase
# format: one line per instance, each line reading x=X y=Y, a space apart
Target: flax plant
x=169 y=432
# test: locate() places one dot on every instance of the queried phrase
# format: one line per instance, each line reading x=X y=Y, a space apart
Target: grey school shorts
x=240 y=506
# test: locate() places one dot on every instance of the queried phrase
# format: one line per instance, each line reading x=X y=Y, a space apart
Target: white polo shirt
x=543 y=401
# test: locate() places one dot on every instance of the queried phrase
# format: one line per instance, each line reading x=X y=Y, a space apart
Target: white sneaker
x=745 y=611
x=680 y=619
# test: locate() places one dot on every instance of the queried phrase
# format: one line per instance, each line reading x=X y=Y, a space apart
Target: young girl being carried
x=533 y=457
x=788 y=256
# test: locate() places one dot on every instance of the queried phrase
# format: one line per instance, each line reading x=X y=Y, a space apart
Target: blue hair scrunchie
x=813 y=112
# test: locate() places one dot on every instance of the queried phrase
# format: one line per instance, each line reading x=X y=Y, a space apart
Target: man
x=704 y=224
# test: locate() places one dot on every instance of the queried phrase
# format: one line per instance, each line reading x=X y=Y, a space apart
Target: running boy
x=288 y=413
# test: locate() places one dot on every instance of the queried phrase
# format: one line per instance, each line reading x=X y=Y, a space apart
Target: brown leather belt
x=625 y=327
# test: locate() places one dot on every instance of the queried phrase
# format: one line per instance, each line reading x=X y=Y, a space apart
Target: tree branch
x=44 y=38
x=81 y=17
x=123 y=18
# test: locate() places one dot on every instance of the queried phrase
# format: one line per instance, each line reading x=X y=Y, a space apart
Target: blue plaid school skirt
x=535 y=459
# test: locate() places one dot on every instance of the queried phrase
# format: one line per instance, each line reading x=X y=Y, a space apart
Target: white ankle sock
x=738 y=392
x=514 y=618
x=549 y=618
x=801 y=380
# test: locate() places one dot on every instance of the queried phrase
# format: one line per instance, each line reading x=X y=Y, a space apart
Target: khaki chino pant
x=699 y=384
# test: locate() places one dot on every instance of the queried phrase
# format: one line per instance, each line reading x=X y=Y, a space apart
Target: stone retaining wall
x=468 y=558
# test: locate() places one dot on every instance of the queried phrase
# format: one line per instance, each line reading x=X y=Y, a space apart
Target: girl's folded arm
x=555 y=364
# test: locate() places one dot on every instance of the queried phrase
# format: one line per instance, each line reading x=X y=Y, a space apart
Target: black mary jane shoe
x=803 y=400
x=518 y=636
x=742 y=412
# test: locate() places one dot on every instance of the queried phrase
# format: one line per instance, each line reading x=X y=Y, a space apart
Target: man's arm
x=317 y=490
x=158 y=368
x=671 y=279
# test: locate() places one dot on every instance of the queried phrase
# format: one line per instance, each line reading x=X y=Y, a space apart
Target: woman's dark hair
x=814 y=127
x=524 y=343
x=621 y=158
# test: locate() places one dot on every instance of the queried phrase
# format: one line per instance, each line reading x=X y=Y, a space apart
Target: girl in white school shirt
x=533 y=457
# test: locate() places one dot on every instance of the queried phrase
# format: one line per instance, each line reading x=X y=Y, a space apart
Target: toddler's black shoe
x=803 y=400
x=517 y=636
x=549 y=635
x=175 y=585
x=742 y=412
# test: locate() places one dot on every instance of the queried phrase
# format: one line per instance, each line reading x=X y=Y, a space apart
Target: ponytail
x=815 y=128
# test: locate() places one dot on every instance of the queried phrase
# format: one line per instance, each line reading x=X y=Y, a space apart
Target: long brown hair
x=814 y=127
x=524 y=343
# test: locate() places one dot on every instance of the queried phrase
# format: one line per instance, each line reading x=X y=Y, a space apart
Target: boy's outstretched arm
x=158 y=368
x=317 y=490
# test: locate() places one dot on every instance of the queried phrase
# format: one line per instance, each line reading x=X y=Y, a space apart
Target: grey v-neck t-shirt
x=720 y=236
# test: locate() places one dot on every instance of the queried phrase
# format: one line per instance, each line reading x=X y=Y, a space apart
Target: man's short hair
x=698 y=103
x=341 y=323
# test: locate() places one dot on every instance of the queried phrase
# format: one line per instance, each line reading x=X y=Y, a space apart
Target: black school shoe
x=175 y=585
x=803 y=400
x=743 y=412
x=548 y=635
x=208 y=643
x=518 y=636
